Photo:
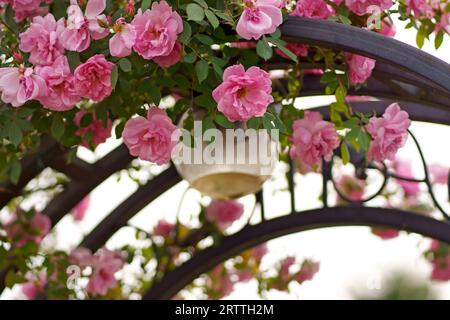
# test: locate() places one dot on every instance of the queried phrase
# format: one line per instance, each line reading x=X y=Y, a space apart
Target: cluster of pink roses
x=22 y=229
x=24 y=9
x=104 y=263
x=285 y=275
x=439 y=255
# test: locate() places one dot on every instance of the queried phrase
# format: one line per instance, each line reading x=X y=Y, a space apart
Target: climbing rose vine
x=84 y=71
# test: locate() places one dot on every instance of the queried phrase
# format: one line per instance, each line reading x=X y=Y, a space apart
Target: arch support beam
x=251 y=236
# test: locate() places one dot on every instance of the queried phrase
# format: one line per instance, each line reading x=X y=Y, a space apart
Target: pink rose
x=403 y=169
x=259 y=252
x=41 y=40
x=61 y=93
x=352 y=187
x=441 y=268
x=80 y=209
x=105 y=264
x=93 y=78
x=361 y=7
x=24 y=9
x=385 y=234
x=300 y=50
x=438 y=174
x=260 y=17
x=387 y=28
x=157 y=30
x=317 y=9
x=359 y=68
x=82 y=257
x=224 y=212
x=21 y=229
x=420 y=8
x=307 y=271
x=80 y=28
x=171 y=59
x=389 y=133
x=34 y=286
x=313 y=139
x=99 y=133
x=122 y=42
x=19 y=85
x=243 y=94
x=445 y=22
x=151 y=139
x=164 y=228
x=285 y=265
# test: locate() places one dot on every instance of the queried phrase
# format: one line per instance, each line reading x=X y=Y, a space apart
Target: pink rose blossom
x=24 y=9
x=403 y=169
x=313 y=139
x=220 y=282
x=171 y=59
x=434 y=245
x=260 y=17
x=441 y=268
x=244 y=276
x=389 y=133
x=361 y=7
x=22 y=230
x=19 y=85
x=81 y=28
x=105 y=264
x=285 y=265
x=152 y=138
x=224 y=212
x=61 y=93
x=316 y=9
x=388 y=28
x=351 y=187
x=93 y=78
x=243 y=44
x=300 y=50
x=157 y=30
x=444 y=23
x=34 y=286
x=243 y=94
x=80 y=209
x=359 y=68
x=82 y=257
x=438 y=174
x=41 y=40
x=164 y=228
x=99 y=132
x=122 y=42
x=385 y=234
x=307 y=271
x=259 y=252
x=420 y=8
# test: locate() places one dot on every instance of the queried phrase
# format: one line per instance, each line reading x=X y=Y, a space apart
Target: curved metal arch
x=251 y=236
x=352 y=39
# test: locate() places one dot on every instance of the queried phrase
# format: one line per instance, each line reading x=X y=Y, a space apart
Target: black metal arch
x=292 y=223
x=405 y=58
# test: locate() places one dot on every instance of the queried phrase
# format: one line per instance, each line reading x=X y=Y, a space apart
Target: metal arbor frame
x=418 y=81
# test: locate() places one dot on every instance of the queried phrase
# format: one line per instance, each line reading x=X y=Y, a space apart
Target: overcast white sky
x=351 y=257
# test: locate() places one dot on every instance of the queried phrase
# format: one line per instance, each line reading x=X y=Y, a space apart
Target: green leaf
x=202 y=3
x=264 y=50
x=195 y=12
x=145 y=4
x=438 y=39
x=280 y=44
x=16 y=170
x=57 y=128
x=221 y=120
x=155 y=94
x=14 y=134
x=207 y=123
x=345 y=20
x=254 y=123
x=202 y=69
x=345 y=154
x=420 y=38
x=206 y=40
x=114 y=76
x=12 y=278
x=125 y=65
x=185 y=36
x=212 y=18
x=190 y=58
